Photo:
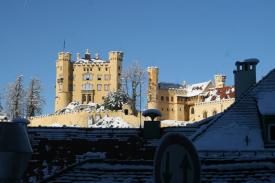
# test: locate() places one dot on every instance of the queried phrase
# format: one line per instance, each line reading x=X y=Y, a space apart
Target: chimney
x=245 y=76
x=87 y=55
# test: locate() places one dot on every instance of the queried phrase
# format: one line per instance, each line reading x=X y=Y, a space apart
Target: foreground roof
x=238 y=128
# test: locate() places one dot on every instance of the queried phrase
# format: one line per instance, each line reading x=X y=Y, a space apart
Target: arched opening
x=192 y=110
x=204 y=114
x=126 y=112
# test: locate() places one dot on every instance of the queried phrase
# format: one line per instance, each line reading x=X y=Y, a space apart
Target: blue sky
x=188 y=40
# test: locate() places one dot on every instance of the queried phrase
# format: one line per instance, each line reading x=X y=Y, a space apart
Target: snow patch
x=110 y=122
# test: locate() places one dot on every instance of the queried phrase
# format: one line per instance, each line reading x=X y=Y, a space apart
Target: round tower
x=152 y=87
x=63 y=85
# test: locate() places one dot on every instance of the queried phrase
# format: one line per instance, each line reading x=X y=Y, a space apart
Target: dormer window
x=266 y=108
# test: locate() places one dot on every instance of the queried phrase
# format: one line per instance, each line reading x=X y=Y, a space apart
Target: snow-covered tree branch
x=15 y=98
x=115 y=100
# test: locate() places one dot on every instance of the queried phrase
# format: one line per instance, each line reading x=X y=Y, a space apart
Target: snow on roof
x=239 y=127
x=82 y=60
x=166 y=85
x=218 y=94
x=197 y=89
x=266 y=103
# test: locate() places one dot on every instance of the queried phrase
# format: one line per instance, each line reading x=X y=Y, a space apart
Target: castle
x=184 y=102
x=86 y=79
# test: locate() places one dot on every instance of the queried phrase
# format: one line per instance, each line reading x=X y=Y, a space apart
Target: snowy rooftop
x=94 y=60
x=266 y=103
x=192 y=90
x=166 y=85
x=198 y=88
x=218 y=94
x=239 y=127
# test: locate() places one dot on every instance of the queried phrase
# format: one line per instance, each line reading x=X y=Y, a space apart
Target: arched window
x=192 y=110
x=204 y=114
x=87 y=86
x=214 y=112
x=87 y=77
x=126 y=111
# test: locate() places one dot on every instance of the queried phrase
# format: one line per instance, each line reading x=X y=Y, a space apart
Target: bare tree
x=34 y=100
x=132 y=78
x=1 y=107
x=15 y=98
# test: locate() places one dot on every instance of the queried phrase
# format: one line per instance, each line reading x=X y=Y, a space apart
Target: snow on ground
x=3 y=116
x=110 y=122
x=170 y=123
x=76 y=106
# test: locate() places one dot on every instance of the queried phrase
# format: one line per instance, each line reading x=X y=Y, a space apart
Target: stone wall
x=80 y=119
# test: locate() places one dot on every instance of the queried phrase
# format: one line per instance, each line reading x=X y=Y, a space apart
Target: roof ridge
x=196 y=135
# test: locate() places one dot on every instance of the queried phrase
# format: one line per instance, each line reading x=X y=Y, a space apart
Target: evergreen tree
x=115 y=100
x=34 y=100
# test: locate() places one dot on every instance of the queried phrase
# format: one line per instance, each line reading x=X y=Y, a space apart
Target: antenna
x=64 y=45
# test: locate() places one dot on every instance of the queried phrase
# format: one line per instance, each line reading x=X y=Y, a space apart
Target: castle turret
x=245 y=76
x=63 y=87
x=115 y=58
x=219 y=80
x=152 y=87
x=87 y=55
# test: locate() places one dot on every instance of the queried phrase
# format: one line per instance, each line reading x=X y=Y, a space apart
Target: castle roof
x=93 y=60
x=166 y=85
x=198 y=88
x=239 y=127
x=218 y=94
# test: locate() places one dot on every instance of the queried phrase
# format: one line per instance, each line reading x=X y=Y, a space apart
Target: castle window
x=162 y=109
x=99 y=87
x=83 y=98
x=99 y=77
x=180 y=109
x=172 y=99
x=106 y=87
x=91 y=69
x=98 y=68
x=119 y=68
x=172 y=109
x=192 y=110
x=204 y=114
x=87 y=77
x=107 y=77
x=84 y=69
x=89 y=98
x=106 y=69
x=162 y=98
x=87 y=86
x=167 y=109
x=167 y=98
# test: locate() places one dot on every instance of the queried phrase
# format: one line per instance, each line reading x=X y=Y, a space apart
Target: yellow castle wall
x=209 y=108
x=81 y=118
